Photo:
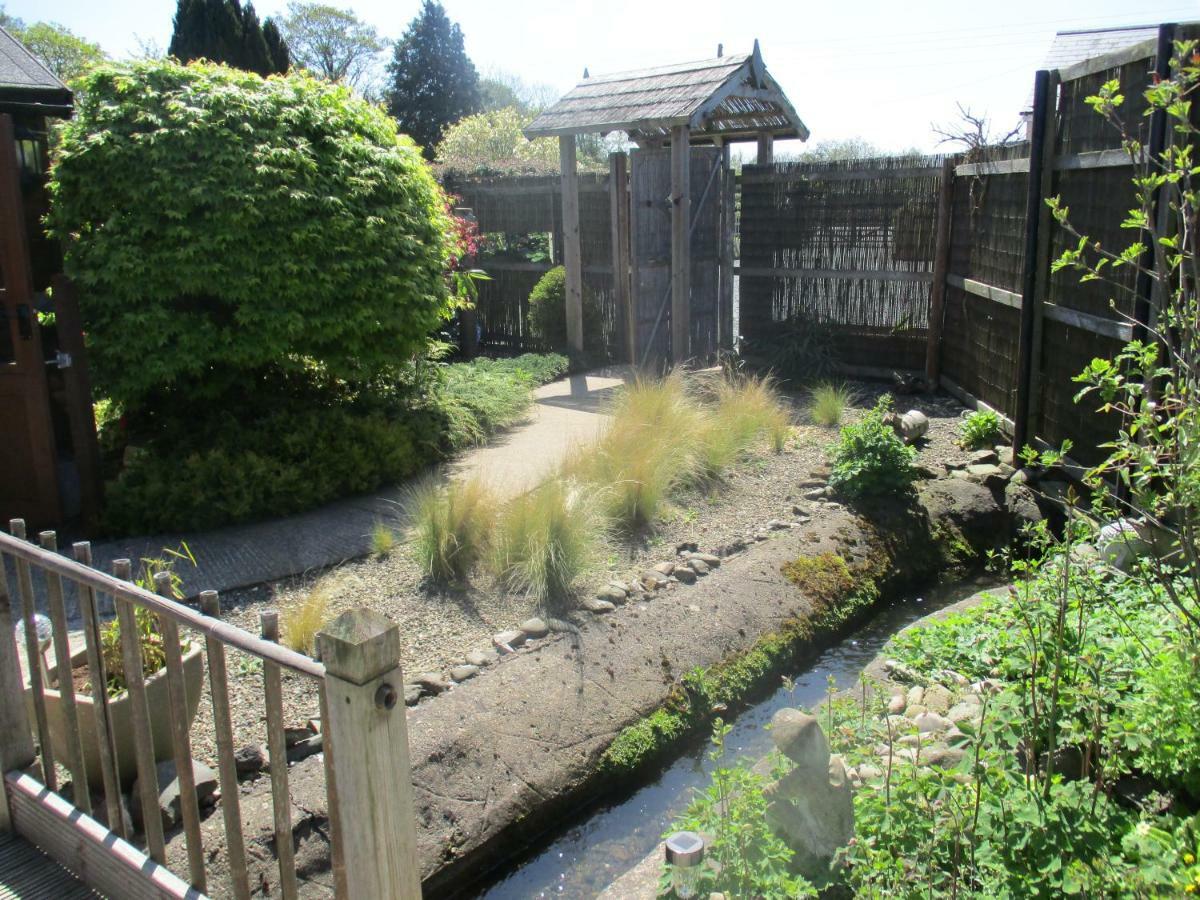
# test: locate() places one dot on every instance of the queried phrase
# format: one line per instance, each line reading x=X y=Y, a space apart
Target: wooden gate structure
x=673 y=268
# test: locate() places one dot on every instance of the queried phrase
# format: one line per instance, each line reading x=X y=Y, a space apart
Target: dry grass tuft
x=829 y=402
x=451 y=527
x=300 y=621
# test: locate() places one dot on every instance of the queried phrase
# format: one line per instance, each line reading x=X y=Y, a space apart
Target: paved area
x=565 y=414
x=26 y=873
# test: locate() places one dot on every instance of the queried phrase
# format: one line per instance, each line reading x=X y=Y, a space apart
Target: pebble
x=535 y=627
x=431 y=683
x=594 y=605
x=462 y=673
x=931 y=723
x=896 y=705
x=686 y=574
x=481 y=658
x=509 y=641
x=699 y=566
x=665 y=568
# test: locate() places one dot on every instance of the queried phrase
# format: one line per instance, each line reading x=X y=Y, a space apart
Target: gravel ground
x=438 y=628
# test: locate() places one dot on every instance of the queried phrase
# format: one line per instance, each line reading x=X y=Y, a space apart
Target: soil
x=439 y=627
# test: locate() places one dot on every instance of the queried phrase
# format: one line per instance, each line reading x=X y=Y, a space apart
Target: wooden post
x=572 y=258
x=941 y=263
x=1041 y=279
x=766 y=149
x=364 y=685
x=726 y=339
x=33 y=658
x=16 y=742
x=1033 y=219
x=681 y=259
x=622 y=293
x=285 y=850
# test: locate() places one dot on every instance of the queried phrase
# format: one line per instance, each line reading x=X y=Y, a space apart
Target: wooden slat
x=181 y=741
x=987 y=291
x=135 y=683
x=784 y=176
x=994 y=167
x=1096 y=159
x=183 y=615
x=25 y=871
x=277 y=748
x=66 y=680
x=332 y=799
x=16 y=741
x=681 y=245
x=106 y=862
x=99 y=678
x=846 y=274
x=1122 y=331
x=1106 y=61
x=33 y=657
x=235 y=847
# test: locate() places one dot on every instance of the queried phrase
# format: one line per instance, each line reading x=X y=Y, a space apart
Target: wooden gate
x=650 y=254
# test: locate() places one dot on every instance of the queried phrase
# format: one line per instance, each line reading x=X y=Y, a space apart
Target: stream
x=582 y=860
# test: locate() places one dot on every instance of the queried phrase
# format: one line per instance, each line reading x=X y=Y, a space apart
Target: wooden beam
x=851 y=274
x=572 y=258
x=994 y=167
x=766 y=149
x=987 y=291
x=726 y=339
x=1121 y=331
x=16 y=742
x=1041 y=280
x=681 y=257
x=1095 y=159
x=619 y=215
x=1124 y=56
x=941 y=263
x=749 y=176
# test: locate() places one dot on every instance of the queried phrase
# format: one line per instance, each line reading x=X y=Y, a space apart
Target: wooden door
x=28 y=470
x=650 y=254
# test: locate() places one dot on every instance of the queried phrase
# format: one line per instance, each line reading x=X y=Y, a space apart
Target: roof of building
x=27 y=84
x=731 y=97
x=1070 y=47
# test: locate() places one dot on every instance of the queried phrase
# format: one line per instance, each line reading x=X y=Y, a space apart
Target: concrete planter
x=120 y=713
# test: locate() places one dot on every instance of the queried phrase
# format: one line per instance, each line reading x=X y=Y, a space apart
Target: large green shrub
x=220 y=224
x=869 y=459
x=548 y=314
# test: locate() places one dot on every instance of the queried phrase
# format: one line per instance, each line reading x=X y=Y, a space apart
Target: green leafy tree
x=65 y=53
x=228 y=231
x=225 y=31
x=433 y=81
x=331 y=42
x=493 y=142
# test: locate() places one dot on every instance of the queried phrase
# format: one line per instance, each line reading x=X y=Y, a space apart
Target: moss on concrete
x=825 y=578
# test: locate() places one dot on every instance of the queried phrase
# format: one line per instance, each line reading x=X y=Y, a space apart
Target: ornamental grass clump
x=743 y=410
x=546 y=539
x=452 y=525
x=829 y=402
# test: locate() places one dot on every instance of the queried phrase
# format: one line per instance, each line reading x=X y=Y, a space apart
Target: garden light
x=685 y=853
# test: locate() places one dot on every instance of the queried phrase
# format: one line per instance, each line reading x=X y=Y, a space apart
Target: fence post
x=364 y=686
x=16 y=741
x=468 y=316
x=1029 y=278
x=681 y=256
x=941 y=264
x=618 y=187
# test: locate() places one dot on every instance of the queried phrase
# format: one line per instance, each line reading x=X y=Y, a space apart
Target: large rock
x=811 y=807
x=972 y=510
x=169 y=802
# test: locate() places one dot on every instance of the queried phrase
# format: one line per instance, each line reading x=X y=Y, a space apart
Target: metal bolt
x=385 y=697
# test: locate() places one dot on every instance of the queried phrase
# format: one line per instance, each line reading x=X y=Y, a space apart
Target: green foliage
x=332 y=43
x=799 y=350
x=452 y=527
x=65 y=53
x=741 y=409
x=870 y=460
x=980 y=429
x=548 y=314
x=383 y=540
x=547 y=539
x=829 y=402
x=743 y=856
x=825 y=578
x=491 y=142
x=221 y=226
x=223 y=31
x=433 y=81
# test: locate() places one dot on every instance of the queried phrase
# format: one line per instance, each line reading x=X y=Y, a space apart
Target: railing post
x=364 y=685
x=16 y=742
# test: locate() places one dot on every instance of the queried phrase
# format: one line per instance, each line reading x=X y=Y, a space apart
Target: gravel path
x=439 y=627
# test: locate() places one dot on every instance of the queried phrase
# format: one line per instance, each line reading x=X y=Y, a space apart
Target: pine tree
x=433 y=81
x=224 y=31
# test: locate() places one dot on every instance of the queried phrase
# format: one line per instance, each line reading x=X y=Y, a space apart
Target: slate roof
x=728 y=96
x=1072 y=47
x=26 y=84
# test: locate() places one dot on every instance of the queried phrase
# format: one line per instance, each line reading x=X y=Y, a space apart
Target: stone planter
x=120 y=714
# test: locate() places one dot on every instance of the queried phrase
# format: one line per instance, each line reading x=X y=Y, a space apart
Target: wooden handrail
x=184 y=615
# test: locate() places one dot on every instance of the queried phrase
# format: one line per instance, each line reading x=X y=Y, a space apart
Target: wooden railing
x=373 y=850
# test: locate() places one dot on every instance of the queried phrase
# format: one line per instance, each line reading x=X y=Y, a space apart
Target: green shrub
x=980 y=429
x=548 y=314
x=221 y=225
x=1170 y=710
x=452 y=527
x=829 y=402
x=799 y=350
x=546 y=540
x=870 y=459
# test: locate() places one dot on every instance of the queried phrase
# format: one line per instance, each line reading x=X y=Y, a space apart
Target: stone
x=1120 y=544
x=294 y=734
x=412 y=694
x=812 y=806
x=810 y=483
x=986 y=474
x=699 y=566
x=802 y=511
x=942 y=757
x=911 y=426
x=249 y=760
x=949 y=676
x=1005 y=455
x=709 y=559
x=931 y=723
x=686 y=574
x=983 y=458
x=431 y=683
x=902 y=673
x=954 y=464
x=964 y=712
x=737 y=545
x=868 y=772
x=816 y=494
x=760 y=536
x=462 y=673
x=1021 y=476
x=534 y=627
x=509 y=641
x=652 y=581
x=665 y=568
x=169 y=804
x=594 y=605
x=614 y=594
x=896 y=704
x=967 y=508
x=687 y=547
x=914 y=709
x=938 y=699
x=311 y=745
x=1021 y=502
x=915 y=695
x=481 y=658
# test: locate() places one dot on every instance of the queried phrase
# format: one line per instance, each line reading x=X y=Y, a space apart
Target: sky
x=882 y=71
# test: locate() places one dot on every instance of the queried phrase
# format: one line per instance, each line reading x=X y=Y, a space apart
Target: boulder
x=665 y=568
x=970 y=509
x=983 y=458
x=987 y=474
x=931 y=723
x=169 y=803
x=614 y=594
x=699 y=566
